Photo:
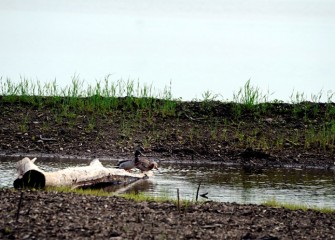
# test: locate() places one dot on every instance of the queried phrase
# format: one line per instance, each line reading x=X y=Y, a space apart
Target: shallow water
x=311 y=187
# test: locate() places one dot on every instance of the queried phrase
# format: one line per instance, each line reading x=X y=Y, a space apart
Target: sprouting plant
x=248 y=95
x=297 y=97
x=208 y=96
x=316 y=98
x=24 y=126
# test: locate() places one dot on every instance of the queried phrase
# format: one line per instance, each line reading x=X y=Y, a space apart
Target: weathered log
x=94 y=175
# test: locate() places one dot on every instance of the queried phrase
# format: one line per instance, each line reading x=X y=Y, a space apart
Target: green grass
x=66 y=189
x=274 y=203
x=102 y=97
x=108 y=95
x=138 y=197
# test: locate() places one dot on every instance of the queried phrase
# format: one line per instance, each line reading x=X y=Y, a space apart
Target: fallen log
x=95 y=175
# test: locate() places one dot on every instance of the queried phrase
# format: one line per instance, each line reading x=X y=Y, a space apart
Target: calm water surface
x=313 y=187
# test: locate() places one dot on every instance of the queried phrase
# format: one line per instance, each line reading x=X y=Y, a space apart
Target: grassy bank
x=123 y=112
x=129 y=95
x=303 y=207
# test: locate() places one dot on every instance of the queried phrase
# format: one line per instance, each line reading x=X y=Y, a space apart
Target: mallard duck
x=145 y=165
x=129 y=164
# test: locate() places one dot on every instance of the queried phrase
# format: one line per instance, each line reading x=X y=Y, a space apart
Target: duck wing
x=122 y=161
x=126 y=165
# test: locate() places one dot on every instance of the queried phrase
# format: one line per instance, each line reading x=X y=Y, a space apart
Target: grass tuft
x=274 y=203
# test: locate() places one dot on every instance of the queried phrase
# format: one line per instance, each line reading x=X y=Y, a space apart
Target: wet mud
x=51 y=215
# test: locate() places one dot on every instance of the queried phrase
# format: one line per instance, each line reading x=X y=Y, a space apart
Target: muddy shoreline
x=194 y=162
x=55 y=215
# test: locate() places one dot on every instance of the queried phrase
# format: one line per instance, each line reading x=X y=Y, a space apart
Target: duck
x=129 y=164
x=145 y=165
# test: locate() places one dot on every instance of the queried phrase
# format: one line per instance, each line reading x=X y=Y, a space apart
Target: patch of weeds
x=164 y=197
x=323 y=139
x=147 y=142
x=274 y=203
x=249 y=96
x=66 y=189
x=91 y=124
x=208 y=97
x=24 y=126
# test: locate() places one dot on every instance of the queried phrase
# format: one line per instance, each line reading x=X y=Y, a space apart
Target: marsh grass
x=102 y=97
x=274 y=203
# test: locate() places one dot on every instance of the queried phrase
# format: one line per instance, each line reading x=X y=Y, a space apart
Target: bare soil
x=52 y=215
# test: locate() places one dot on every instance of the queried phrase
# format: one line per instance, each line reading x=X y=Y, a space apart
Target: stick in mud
x=196 y=197
x=19 y=207
x=178 y=202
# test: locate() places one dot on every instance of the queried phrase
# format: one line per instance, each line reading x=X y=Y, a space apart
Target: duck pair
x=142 y=164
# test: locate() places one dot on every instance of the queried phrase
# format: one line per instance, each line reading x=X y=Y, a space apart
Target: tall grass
x=102 y=96
x=250 y=96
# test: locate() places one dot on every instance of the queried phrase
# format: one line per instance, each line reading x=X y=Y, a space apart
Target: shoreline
x=200 y=162
x=55 y=215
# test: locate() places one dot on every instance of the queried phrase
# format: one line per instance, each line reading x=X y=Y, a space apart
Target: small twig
x=291 y=142
x=194 y=119
x=290 y=231
x=196 y=197
x=19 y=207
x=178 y=201
x=47 y=139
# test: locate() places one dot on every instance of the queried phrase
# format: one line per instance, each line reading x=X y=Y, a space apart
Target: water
x=312 y=187
x=199 y=45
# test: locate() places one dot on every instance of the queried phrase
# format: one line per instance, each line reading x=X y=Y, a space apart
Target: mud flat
x=52 y=215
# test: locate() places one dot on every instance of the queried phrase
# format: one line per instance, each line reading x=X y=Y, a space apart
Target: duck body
x=145 y=165
x=129 y=164
x=126 y=164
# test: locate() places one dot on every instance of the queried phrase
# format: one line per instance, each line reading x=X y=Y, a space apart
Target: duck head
x=137 y=153
x=154 y=165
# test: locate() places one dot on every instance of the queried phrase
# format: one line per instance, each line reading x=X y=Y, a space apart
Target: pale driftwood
x=94 y=175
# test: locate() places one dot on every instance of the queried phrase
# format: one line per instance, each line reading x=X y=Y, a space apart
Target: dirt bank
x=50 y=215
x=272 y=134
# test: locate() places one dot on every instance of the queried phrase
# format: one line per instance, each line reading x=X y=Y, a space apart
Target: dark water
x=311 y=187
